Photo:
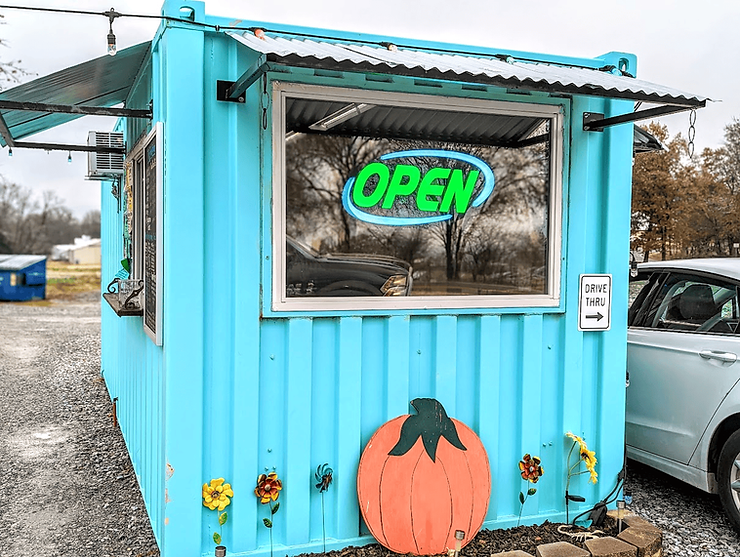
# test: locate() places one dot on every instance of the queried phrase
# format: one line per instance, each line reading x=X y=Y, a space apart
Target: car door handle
x=728 y=357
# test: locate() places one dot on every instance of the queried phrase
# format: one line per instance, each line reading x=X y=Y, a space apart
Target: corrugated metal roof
x=511 y=73
x=104 y=81
x=400 y=122
x=18 y=262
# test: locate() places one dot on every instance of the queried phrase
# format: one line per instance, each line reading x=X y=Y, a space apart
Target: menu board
x=153 y=235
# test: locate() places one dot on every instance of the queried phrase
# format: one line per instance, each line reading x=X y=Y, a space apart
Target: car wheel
x=728 y=477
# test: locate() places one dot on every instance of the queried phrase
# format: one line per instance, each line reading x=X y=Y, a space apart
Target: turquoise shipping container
x=220 y=371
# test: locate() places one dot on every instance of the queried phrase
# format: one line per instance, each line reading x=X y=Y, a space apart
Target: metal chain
x=692 y=132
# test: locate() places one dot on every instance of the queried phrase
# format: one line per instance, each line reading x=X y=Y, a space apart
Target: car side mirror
x=633 y=265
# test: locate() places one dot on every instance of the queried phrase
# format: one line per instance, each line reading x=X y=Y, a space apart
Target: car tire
x=728 y=478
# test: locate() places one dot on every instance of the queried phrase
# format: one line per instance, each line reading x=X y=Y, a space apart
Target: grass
x=65 y=280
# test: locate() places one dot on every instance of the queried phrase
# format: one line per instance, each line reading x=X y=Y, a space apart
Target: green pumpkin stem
x=430 y=423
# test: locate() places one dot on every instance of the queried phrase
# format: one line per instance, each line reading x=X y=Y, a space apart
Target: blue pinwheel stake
x=324 y=475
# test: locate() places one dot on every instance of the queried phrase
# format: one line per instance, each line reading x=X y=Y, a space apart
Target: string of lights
x=112 y=15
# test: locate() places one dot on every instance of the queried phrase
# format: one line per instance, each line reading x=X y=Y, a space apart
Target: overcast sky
x=684 y=44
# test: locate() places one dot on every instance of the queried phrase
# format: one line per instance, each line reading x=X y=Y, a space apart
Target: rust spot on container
x=168 y=471
x=166 y=521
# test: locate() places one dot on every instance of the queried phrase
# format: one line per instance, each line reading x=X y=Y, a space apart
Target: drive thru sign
x=595 y=303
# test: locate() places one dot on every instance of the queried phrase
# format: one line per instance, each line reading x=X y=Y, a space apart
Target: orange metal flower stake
x=267 y=491
x=532 y=472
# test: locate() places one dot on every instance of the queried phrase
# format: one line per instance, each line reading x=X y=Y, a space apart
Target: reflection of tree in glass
x=504 y=240
x=318 y=166
x=519 y=197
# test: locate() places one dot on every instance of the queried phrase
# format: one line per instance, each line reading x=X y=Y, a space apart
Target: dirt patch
x=65 y=281
x=488 y=542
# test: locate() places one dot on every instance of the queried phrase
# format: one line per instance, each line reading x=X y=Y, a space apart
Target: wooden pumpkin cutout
x=421 y=478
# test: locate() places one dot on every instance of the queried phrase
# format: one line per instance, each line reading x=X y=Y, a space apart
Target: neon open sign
x=395 y=193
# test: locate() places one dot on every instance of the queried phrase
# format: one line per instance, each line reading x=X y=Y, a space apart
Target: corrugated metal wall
x=133 y=371
x=290 y=394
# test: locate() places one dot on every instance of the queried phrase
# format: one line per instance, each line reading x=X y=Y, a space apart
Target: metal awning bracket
x=589 y=117
x=5 y=133
x=223 y=89
x=235 y=91
x=76 y=109
x=595 y=122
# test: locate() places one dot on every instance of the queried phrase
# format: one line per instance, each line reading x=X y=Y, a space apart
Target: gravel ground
x=692 y=521
x=67 y=487
x=67 y=484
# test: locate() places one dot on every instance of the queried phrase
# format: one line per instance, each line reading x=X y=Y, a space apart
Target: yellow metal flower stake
x=216 y=497
x=323 y=475
x=585 y=456
x=267 y=491
x=531 y=472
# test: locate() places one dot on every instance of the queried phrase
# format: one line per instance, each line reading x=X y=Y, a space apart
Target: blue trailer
x=328 y=225
x=22 y=278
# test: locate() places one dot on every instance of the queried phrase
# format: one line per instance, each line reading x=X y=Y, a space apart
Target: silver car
x=683 y=398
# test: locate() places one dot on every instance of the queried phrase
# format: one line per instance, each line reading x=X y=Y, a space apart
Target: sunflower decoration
x=267 y=491
x=531 y=471
x=216 y=497
x=588 y=458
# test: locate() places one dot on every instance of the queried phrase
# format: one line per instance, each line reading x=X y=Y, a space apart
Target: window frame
x=275 y=274
x=141 y=206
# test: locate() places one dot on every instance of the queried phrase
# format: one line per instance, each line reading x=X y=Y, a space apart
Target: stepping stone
x=516 y=553
x=610 y=547
x=649 y=543
x=634 y=521
x=561 y=549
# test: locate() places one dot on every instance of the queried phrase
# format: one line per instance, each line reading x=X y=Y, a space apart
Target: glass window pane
x=404 y=201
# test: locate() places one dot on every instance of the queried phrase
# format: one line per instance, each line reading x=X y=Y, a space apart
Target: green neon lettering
x=458 y=192
x=429 y=188
x=398 y=186
x=358 y=191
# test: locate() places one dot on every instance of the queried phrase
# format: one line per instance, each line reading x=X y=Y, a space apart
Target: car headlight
x=395 y=286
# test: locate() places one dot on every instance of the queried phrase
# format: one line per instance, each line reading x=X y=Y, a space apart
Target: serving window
x=139 y=290
x=400 y=201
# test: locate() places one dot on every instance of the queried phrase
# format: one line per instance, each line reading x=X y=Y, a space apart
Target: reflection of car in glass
x=310 y=273
x=683 y=399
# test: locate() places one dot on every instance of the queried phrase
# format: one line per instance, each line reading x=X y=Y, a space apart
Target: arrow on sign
x=598 y=316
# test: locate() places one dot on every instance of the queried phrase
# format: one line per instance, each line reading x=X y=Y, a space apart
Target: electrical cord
x=597 y=513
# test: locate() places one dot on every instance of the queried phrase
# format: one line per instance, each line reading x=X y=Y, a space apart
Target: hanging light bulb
x=10 y=152
x=112 y=14
x=69 y=158
x=111 y=43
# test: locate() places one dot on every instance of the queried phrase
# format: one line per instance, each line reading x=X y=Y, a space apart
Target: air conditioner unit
x=104 y=165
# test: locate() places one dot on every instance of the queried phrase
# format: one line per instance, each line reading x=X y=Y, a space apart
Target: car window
x=642 y=289
x=693 y=304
